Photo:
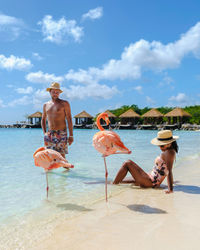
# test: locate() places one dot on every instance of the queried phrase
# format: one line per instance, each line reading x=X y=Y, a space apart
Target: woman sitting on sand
x=163 y=165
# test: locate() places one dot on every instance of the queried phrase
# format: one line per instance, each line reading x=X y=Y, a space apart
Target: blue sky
x=105 y=54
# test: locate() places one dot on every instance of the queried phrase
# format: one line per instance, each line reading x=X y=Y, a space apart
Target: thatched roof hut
x=153 y=116
x=83 y=114
x=35 y=118
x=83 y=118
x=152 y=113
x=129 y=114
x=129 y=117
x=35 y=115
x=178 y=112
x=110 y=114
x=177 y=115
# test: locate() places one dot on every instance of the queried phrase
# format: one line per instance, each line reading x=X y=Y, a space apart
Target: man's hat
x=54 y=85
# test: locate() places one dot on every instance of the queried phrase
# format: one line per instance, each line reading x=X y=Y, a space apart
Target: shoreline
x=184 y=127
x=137 y=218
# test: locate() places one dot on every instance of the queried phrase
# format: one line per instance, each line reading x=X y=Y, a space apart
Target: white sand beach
x=138 y=219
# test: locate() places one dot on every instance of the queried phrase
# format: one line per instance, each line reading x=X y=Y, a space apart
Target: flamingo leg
x=47 y=183
x=106 y=179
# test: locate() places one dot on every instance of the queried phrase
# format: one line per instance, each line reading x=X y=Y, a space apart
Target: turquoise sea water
x=23 y=203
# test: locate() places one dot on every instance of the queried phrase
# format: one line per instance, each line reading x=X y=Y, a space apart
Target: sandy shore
x=138 y=219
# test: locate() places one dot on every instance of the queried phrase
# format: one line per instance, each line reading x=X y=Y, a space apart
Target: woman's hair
x=174 y=146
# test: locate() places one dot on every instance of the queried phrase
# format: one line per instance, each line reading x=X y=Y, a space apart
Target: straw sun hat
x=164 y=137
x=54 y=85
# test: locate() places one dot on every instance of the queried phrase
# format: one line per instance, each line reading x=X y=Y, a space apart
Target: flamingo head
x=103 y=116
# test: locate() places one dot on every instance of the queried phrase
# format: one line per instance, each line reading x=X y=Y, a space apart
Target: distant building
x=83 y=120
x=35 y=119
x=177 y=116
x=152 y=117
x=129 y=119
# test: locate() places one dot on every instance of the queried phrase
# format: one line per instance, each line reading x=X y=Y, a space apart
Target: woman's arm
x=168 y=157
x=170 y=182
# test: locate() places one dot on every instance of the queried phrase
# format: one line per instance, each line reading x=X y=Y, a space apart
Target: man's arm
x=69 y=122
x=44 y=118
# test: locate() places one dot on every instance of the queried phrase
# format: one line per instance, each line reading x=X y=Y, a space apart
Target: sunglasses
x=162 y=146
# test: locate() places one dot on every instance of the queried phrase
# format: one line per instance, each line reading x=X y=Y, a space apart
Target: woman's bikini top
x=159 y=171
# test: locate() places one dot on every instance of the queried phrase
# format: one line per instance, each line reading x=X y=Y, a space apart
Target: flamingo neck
x=99 y=124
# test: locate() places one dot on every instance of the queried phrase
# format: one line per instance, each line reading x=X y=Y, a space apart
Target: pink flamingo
x=107 y=143
x=49 y=159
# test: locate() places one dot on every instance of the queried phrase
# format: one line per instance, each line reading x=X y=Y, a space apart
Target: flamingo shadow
x=70 y=206
x=146 y=209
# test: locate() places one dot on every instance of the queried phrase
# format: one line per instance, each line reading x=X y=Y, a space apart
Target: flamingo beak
x=107 y=120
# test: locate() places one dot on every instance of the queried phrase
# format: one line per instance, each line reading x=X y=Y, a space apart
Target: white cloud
x=92 y=90
x=60 y=31
x=167 y=81
x=143 y=55
x=138 y=89
x=25 y=100
x=10 y=27
x=180 y=100
x=40 y=97
x=93 y=14
x=14 y=62
x=1 y=104
x=76 y=92
x=150 y=101
x=37 y=56
x=81 y=76
x=27 y=90
x=40 y=77
x=135 y=58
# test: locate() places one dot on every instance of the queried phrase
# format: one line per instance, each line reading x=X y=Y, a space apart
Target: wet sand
x=138 y=219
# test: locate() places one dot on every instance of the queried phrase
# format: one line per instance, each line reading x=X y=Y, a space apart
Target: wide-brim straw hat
x=164 y=137
x=54 y=85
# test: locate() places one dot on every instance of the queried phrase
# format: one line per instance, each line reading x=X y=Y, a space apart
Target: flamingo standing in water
x=49 y=159
x=107 y=143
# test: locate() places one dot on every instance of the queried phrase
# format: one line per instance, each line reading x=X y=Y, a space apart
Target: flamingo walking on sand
x=49 y=159
x=107 y=143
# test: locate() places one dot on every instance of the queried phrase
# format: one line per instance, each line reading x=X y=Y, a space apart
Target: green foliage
x=164 y=110
x=195 y=112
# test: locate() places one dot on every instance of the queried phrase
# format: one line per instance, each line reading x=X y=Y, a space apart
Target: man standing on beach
x=57 y=111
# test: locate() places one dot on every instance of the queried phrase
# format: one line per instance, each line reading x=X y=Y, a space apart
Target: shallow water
x=23 y=203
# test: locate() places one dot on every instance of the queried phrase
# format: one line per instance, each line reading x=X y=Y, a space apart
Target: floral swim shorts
x=56 y=140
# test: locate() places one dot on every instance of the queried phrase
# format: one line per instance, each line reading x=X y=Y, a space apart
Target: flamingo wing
x=108 y=142
x=116 y=141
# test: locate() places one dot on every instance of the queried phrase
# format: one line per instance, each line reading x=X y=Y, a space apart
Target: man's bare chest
x=54 y=109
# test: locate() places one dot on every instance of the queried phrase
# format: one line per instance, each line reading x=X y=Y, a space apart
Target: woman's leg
x=140 y=177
